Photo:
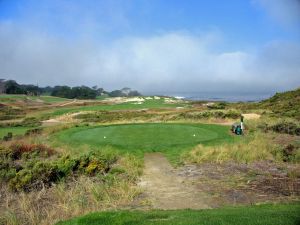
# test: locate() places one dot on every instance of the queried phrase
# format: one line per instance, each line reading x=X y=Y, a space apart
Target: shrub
x=291 y=153
x=18 y=149
x=35 y=175
x=22 y=168
x=231 y=114
x=21 y=180
x=8 y=113
x=27 y=122
x=218 y=105
x=7 y=173
x=8 y=137
x=66 y=165
x=96 y=162
x=42 y=174
x=33 y=131
x=282 y=127
x=31 y=122
x=92 y=167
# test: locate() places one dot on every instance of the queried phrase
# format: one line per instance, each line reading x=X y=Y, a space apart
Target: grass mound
x=264 y=214
x=284 y=104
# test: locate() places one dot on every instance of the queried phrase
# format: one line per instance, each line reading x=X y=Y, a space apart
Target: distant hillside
x=284 y=104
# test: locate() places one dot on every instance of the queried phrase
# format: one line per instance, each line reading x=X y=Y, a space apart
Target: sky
x=153 y=45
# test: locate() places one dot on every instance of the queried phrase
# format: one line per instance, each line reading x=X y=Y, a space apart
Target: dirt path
x=165 y=189
x=211 y=185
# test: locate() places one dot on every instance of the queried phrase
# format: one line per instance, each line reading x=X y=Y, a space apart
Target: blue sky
x=149 y=44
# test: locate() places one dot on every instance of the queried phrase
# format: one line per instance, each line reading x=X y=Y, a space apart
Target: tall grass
x=73 y=197
x=257 y=147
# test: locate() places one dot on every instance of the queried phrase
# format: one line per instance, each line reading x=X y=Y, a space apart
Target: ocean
x=214 y=96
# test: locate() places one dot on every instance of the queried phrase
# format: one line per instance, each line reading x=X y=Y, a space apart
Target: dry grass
x=254 y=148
x=55 y=129
x=71 y=198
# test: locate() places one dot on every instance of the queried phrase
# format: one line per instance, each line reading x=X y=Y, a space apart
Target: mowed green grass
x=283 y=214
x=47 y=99
x=168 y=138
x=14 y=130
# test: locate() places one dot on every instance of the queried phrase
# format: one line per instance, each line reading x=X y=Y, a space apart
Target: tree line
x=78 y=92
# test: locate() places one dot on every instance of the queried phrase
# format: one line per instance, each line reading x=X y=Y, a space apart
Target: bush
x=18 y=149
x=31 y=122
x=210 y=114
x=66 y=165
x=9 y=113
x=218 y=105
x=34 y=131
x=291 y=153
x=23 y=169
x=27 y=122
x=7 y=173
x=281 y=127
x=95 y=162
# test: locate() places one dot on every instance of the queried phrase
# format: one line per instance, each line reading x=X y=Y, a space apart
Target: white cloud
x=173 y=61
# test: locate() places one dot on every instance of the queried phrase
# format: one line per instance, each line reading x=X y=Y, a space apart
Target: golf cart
x=238 y=128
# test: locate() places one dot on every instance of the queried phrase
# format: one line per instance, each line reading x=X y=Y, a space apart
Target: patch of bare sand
x=165 y=190
x=51 y=122
x=251 y=116
x=68 y=103
x=247 y=116
x=119 y=100
x=66 y=118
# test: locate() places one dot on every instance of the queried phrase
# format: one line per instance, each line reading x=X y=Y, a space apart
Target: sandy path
x=165 y=189
x=68 y=103
x=66 y=118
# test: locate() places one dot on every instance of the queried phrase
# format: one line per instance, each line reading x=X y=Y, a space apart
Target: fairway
x=43 y=98
x=146 y=137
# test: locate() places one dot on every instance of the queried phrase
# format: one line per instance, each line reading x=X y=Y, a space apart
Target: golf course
x=148 y=160
x=149 y=112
